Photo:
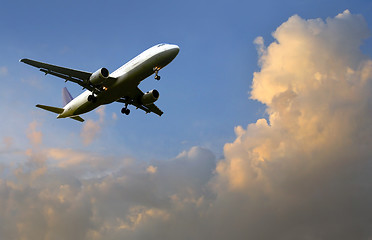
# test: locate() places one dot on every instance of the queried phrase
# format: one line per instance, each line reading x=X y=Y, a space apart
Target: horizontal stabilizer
x=51 y=109
x=77 y=118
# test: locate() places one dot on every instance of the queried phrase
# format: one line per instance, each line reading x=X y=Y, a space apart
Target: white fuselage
x=127 y=78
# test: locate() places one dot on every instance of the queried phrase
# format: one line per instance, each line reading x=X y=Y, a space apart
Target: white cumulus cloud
x=305 y=172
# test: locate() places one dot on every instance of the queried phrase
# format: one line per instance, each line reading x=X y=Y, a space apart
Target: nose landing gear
x=156 y=70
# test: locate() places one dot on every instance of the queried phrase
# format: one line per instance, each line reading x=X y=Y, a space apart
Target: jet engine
x=99 y=76
x=150 y=97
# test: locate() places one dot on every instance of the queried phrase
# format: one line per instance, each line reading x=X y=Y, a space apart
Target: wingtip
x=22 y=60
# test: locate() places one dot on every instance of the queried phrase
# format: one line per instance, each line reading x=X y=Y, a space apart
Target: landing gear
x=92 y=98
x=156 y=70
x=125 y=111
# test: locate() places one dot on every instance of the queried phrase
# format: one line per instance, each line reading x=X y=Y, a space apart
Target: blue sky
x=217 y=164
x=204 y=92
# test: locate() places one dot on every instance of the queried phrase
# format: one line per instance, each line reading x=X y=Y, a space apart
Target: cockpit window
x=162 y=44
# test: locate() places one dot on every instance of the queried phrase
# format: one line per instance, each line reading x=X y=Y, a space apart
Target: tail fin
x=66 y=96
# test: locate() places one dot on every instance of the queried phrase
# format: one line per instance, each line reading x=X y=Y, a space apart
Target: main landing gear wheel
x=92 y=98
x=157 y=77
x=125 y=111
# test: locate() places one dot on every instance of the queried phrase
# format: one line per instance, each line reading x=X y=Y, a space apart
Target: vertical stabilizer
x=66 y=96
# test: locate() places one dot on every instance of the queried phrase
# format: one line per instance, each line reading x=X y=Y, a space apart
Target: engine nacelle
x=150 y=97
x=99 y=76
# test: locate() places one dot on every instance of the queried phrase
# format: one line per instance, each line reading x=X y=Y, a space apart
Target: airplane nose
x=175 y=49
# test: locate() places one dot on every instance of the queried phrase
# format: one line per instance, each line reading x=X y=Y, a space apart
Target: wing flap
x=69 y=78
x=153 y=108
x=149 y=108
x=76 y=76
x=52 y=68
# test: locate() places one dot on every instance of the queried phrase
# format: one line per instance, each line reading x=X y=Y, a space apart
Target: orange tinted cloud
x=92 y=129
x=33 y=134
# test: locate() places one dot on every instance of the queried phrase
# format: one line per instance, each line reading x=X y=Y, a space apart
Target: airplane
x=104 y=88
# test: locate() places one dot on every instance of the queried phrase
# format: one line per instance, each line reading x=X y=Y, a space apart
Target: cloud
x=8 y=142
x=305 y=172
x=151 y=169
x=4 y=71
x=33 y=135
x=302 y=173
x=114 y=116
x=91 y=129
x=127 y=201
x=85 y=164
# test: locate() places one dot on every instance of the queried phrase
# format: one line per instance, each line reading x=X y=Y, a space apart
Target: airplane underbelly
x=85 y=108
x=127 y=84
x=143 y=70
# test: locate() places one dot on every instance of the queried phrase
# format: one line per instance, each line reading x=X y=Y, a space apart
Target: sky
x=266 y=132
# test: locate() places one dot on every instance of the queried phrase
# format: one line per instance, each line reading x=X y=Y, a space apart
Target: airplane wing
x=76 y=76
x=135 y=102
